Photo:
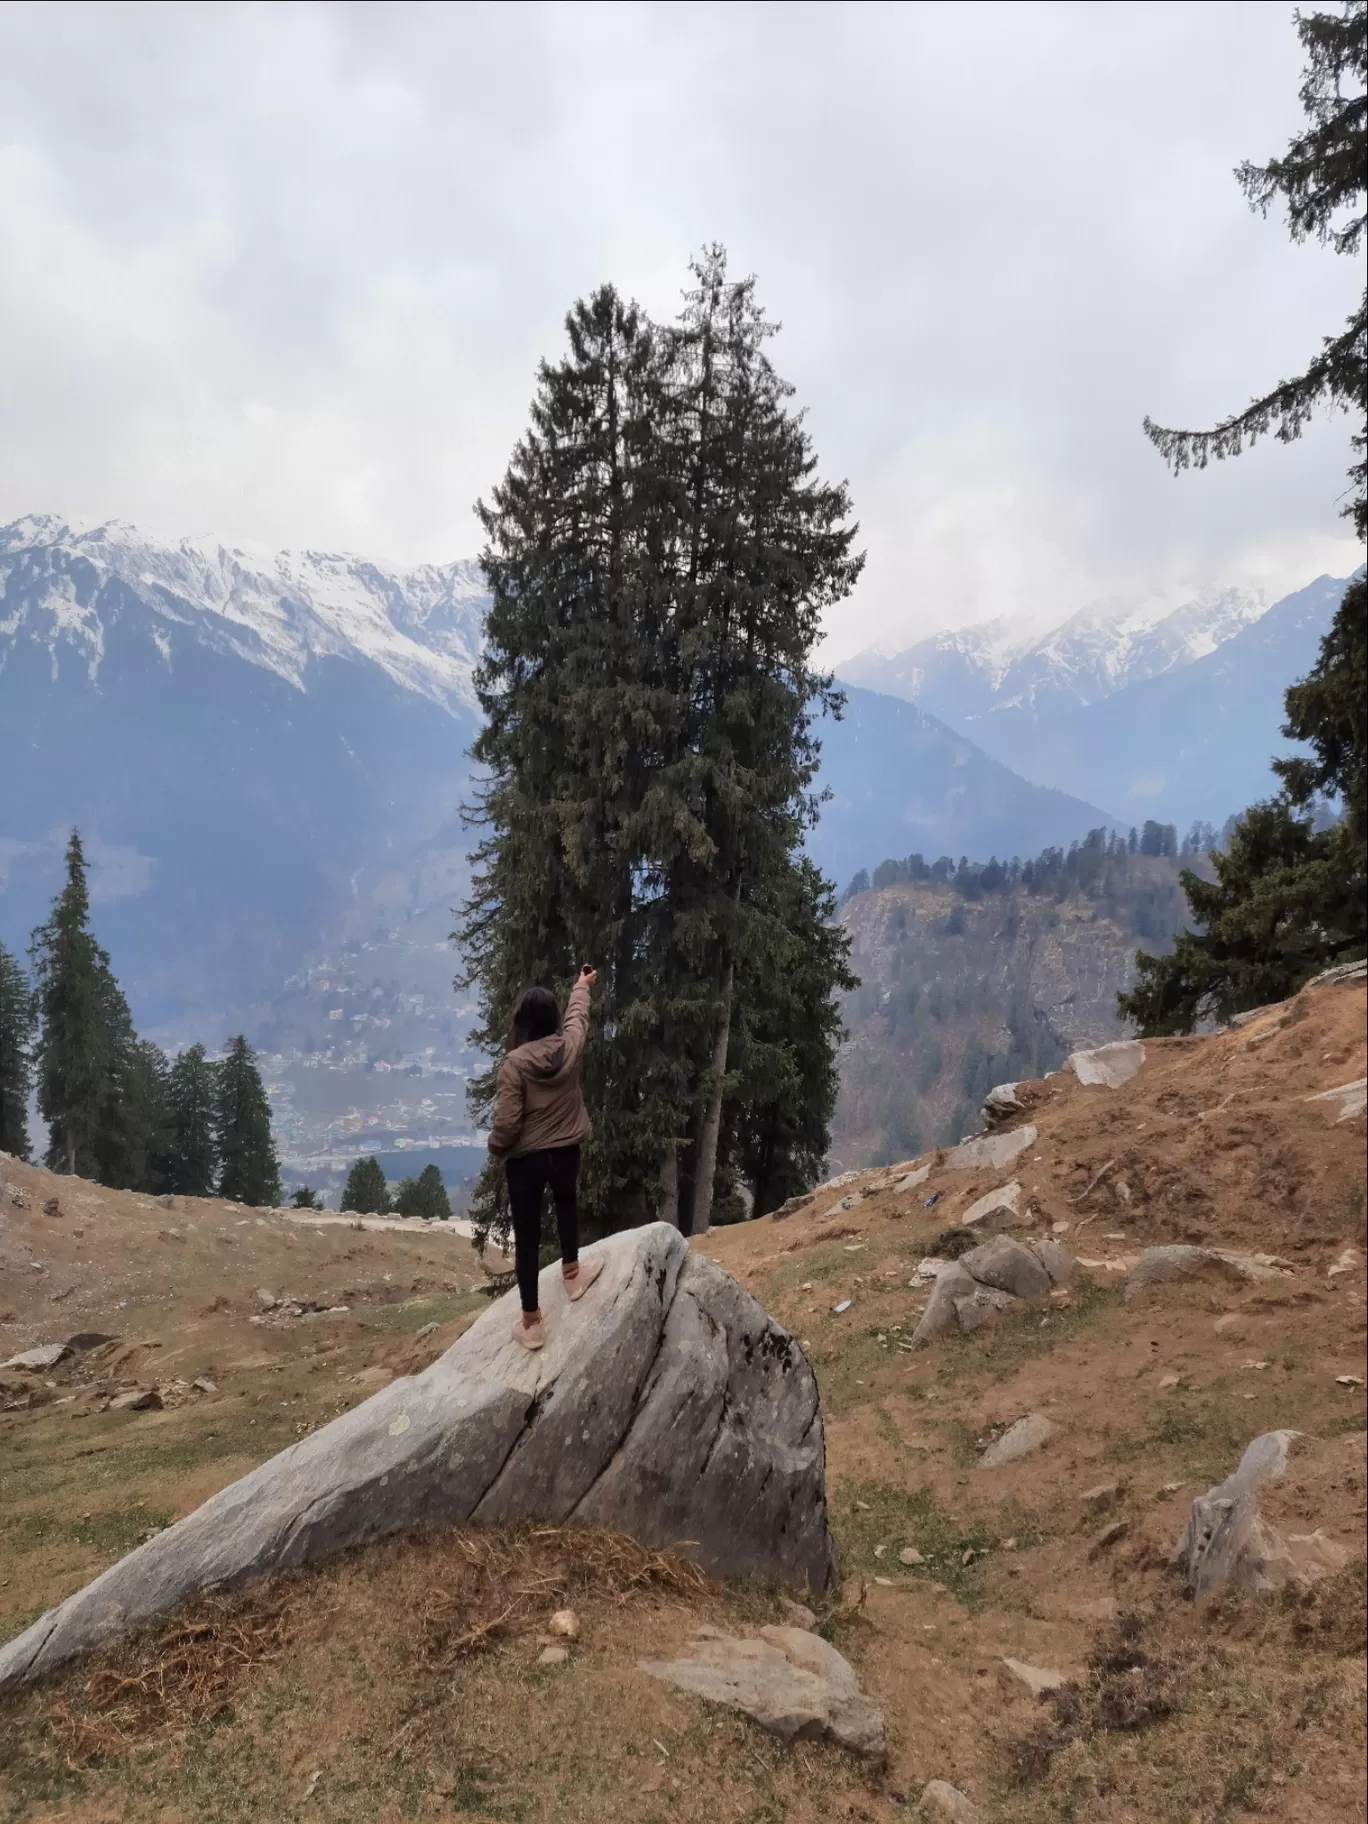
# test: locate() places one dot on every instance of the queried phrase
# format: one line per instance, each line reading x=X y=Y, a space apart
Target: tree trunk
x=711 y=1129
x=668 y=1210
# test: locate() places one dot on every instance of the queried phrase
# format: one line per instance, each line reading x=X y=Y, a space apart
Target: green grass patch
x=870 y=1514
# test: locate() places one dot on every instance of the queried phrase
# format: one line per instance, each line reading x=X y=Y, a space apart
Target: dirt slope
x=382 y=1674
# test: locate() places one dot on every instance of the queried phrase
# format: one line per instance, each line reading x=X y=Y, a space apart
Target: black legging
x=528 y=1176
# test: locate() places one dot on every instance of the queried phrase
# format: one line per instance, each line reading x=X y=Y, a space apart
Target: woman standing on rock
x=540 y=1122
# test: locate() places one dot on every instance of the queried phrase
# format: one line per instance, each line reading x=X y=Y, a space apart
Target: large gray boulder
x=1005 y=1264
x=666 y=1404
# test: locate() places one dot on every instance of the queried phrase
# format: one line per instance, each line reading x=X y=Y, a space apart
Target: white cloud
x=284 y=272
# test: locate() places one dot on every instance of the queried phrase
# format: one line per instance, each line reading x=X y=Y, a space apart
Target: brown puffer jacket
x=538 y=1103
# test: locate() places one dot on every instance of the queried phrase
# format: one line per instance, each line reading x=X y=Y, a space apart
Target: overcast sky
x=284 y=273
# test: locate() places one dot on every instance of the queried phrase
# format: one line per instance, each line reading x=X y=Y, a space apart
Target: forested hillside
x=975 y=975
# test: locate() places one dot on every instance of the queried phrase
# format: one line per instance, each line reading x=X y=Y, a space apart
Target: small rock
x=1108 y=1065
x=844 y=1305
x=1348 y=1380
x=202 y=1384
x=790 y=1681
x=1038 y=1680
x=997 y=1210
x=564 y=1624
x=1108 y=1537
x=1001 y=1103
x=1169 y=1381
x=798 y=1614
x=1344 y=1265
x=52 y=1206
x=942 y=1800
x=424 y=1330
x=266 y=1300
x=910 y=1555
x=885 y=1583
x=990 y=1152
x=985 y=1305
x=839 y=1208
x=1019 y=1440
x=1105 y=1495
x=879 y=1550
x=136 y=1399
x=34 y=1361
x=553 y=1656
x=910 y=1180
x=1057 y=1261
x=940 y=1316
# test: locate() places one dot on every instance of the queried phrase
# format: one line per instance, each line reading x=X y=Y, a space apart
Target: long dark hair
x=536 y=1015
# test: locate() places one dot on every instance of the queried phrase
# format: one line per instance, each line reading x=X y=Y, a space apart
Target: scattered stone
x=1108 y=1537
x=202 y=1384
x=1110 y=1065
x=1228 y=1542
x=789 y=1681
x=1344 y=1265
x=985 y=1305
x=1352 y=1098
x=927 y=1269
x=553 y=1656
x=1001 y=1103
x=1005 y=1264
x=792 y=1206
x=1100 y=1499
x=52 y=1206
x=942 y=1800
x=910 y=1555
x=137 y=1399
x=910 y=1180
x=940 y=1316
x=266 y=1300
x=672 y=1408
x=798 y=1614
x=847 y=1202
x=1348 y=1380
x=1019 y=1440
x=990 y=1152
x=64 y=1292
x=1038 y=1680
x=564 y=1624
x=35 y=1361
x=994 y=1211
x=844 y=1305
x=1056 y=1260
x=424 y=1330
x=1167 y=1382
x=1181 y=1261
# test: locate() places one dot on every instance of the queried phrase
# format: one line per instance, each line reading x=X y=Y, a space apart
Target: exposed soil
x=1241 y=1707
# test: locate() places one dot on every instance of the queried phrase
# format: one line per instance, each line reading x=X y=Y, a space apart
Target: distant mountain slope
x=266 y=756
x=1171 y=715
x=902 y=782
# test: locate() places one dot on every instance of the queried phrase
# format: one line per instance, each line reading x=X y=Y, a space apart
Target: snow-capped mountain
x=63 y=588
x=1008 y=670
x=1156 y=711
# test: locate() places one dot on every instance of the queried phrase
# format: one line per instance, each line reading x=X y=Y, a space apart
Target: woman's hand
x=588 y=976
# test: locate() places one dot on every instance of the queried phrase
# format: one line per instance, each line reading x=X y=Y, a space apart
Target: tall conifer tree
x=76 y=1048
x=659 y=555
x=16 y=1038
x=249 y=1170
x=192 y=1113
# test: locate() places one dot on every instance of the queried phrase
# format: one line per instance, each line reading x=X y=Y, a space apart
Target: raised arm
x=576 y=1026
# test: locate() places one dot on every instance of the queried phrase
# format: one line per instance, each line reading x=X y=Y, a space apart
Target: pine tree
x=133 y=1146
x=1321 y=181
x=365 y=1191
x=306 y=1199
x=659 y=557
x=76 y=1054
x=192 y=1110
x=249 y=1171
x=424 y=1195
x=16 y=1038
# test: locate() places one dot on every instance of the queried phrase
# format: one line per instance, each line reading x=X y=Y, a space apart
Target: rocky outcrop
x=1228 y=1543
x=1180 y=1261
x=666 y=1404
x=990 y=1151
x=789 y=1680
x=995 y=1278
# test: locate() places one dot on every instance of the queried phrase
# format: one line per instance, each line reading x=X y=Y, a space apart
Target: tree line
x=366 y=1193
x=659 y=555
x=117 y=1109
